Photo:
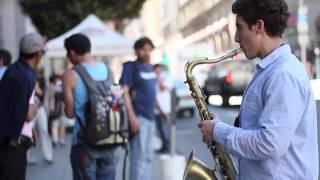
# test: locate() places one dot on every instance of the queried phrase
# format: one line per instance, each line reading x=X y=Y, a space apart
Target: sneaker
x=49 y=162
x=162 y=150
x=62 y=143
x=32 y=163
x=54 y=144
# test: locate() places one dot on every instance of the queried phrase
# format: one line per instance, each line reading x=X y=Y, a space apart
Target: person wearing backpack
x=139 y=84
x=93 y=155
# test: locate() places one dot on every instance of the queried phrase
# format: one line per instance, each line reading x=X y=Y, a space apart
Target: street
x=188 y=138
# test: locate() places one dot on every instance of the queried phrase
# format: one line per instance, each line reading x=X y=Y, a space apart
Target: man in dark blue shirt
x=18 y=106
x=139 y=84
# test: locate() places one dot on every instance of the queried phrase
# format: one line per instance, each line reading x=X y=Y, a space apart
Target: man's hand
x=134 y=124
x=167 y=119
x=207 y=127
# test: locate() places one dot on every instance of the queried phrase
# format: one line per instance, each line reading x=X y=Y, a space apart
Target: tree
x=54 y=17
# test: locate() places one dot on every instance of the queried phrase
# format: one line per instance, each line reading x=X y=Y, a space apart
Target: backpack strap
x=135 y=71
x=110 y=76
x=85 y=76
x=134 y=74
x=80 y=69
x=109 y=81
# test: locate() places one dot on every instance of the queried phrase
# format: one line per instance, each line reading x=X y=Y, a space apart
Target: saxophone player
x=277 y=137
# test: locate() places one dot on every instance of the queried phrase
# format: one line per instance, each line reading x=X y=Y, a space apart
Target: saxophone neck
x=191 y=64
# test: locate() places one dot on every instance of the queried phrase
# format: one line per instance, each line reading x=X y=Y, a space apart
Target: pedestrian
x=88 y=161
x=163 y=106
x=277 y=137
x=139 y=84
x=5 y=60
x=41 y=129
x=18 y=107
x=54 y=107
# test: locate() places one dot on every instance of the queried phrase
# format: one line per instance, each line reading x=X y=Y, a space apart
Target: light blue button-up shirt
x=278 y=135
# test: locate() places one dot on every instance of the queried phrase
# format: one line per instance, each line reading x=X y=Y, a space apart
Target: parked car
x=229 y=78
x=185 y=105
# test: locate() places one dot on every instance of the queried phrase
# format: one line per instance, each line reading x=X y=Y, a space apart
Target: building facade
x=13 y=24
x=194 y=28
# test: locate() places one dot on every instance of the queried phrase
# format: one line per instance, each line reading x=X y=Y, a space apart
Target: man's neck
x=87 y=59
x=31 y=63
x=269 y=45
x=147 y=62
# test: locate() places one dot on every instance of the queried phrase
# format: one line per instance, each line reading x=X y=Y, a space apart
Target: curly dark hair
x=78 y=42
x=274 y=13
x=5 y=56
x=141 y=42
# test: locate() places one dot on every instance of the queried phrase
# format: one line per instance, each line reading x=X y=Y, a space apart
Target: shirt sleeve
x=127 y=73
x=283 y=110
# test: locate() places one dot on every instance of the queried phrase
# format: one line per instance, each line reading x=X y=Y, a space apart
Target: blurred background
x=180 y=29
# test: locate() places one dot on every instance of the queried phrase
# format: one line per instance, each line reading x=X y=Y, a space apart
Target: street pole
x=173 y=122
x=303 y=30
x=172 y=165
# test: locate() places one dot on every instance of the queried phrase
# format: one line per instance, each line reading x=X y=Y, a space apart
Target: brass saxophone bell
x=196 y=169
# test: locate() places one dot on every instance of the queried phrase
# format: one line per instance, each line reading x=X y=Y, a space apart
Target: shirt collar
x=273 y=56
x=23 y=62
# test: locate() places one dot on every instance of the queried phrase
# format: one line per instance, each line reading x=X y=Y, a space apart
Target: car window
x=180 y=84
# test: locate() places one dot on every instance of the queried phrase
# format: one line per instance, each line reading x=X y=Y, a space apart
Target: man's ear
x=72 y=52
x=39 y=55
x=259 y=27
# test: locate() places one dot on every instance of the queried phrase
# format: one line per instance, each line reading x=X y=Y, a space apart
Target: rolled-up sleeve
x=284 y=100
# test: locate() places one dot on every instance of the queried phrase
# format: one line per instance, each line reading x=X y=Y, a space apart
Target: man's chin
x=249 y=57
x=144 y=60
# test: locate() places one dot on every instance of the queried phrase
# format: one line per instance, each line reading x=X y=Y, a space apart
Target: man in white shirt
x=163 y=107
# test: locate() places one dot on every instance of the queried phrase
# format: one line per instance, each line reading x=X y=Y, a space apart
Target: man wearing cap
x=18 y=106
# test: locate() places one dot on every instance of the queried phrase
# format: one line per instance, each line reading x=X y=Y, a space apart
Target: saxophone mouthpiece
x=234 y=52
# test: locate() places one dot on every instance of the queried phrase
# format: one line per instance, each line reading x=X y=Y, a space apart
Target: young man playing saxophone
x=277 y=137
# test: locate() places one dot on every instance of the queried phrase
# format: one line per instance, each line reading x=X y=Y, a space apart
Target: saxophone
x=225 y=169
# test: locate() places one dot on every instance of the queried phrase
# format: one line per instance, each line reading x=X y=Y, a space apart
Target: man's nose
x=236 y=38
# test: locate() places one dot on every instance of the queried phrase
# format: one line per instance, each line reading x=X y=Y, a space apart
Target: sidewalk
x=61 y=168
x=188 y=137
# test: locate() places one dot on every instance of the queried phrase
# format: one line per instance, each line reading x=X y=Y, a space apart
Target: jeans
x=89 y=163
x=141 y=151
x=164 y=130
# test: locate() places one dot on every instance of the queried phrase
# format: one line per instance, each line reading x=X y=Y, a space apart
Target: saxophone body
x=225 y=168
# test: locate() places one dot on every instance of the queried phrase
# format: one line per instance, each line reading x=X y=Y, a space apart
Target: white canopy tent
x=104 y=42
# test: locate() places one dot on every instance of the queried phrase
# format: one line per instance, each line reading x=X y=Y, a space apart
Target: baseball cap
x=31 y=43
